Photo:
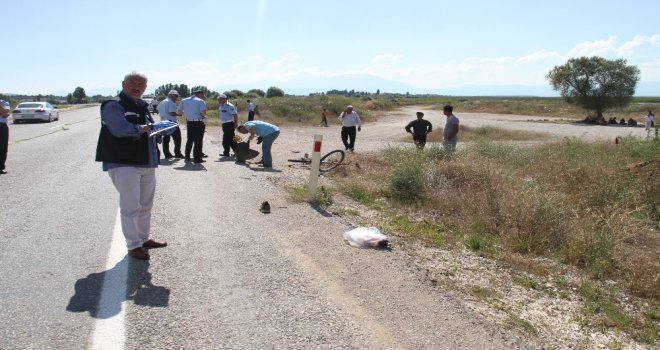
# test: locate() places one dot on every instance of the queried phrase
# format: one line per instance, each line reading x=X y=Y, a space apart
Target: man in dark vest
x=130 y=157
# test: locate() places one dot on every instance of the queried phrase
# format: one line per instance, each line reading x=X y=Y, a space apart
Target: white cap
x=173 y=92
x=222 y=96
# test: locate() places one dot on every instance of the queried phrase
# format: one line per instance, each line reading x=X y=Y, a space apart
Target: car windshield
x=29 y=105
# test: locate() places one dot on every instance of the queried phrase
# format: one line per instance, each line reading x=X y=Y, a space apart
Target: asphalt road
x=231 y=278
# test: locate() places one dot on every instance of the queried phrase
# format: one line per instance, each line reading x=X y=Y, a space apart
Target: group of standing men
x=127 y=147
x=420 y=127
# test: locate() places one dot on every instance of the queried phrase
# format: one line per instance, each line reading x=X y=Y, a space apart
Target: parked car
x=152 y=104
x=35 y=111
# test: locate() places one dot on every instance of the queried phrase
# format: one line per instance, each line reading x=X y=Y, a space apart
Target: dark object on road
x=265 y=207
x=243 y=152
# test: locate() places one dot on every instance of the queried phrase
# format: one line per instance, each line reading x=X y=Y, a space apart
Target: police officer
x=167 y=108
x=229 y=120
x=4 y=134
x=194 y=109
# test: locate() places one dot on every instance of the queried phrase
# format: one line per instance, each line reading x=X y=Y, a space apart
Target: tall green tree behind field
x=595 y=83
x=79 y=95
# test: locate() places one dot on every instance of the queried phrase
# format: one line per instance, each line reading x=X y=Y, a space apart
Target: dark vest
x=125 y=150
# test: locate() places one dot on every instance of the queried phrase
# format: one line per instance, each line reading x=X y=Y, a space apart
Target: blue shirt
x=262 y=128
x=192 y=108
x=112 y=115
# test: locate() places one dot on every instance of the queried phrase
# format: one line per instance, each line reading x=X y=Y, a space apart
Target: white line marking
x=109 y=327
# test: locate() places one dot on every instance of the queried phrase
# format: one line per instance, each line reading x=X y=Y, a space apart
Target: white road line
x=109 y=327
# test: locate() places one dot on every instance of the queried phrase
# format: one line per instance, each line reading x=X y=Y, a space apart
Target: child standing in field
x=324 y=117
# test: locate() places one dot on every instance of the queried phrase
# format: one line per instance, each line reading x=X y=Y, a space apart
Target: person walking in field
x=350 y=125
x=324 y=117
x=450 y=133
x=419 y=128
x=648 y=120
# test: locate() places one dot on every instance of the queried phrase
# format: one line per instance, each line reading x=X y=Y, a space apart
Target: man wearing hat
x=229 y=120
x=194 y=109
x=419 y=128
x=167 y=110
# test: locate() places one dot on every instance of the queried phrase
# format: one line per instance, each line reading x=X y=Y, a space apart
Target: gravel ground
x=540 y=317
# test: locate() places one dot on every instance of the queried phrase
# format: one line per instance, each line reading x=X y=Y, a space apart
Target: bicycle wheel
x=331 y=160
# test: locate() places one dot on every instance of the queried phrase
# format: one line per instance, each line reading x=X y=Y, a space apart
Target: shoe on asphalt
x=169 y=156
x=179 y=155
x=187 y=159
x=265 y=207
x=204 y=155
x=138 y=253
x=199 y=161
x=3 y=171
x=154 y=244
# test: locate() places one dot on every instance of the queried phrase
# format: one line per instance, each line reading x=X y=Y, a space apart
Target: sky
x=462 y=47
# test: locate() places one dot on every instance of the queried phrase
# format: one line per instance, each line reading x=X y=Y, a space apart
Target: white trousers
x=136 y=187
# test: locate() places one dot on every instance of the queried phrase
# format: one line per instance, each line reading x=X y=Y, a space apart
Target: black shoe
x=169 y=156
x=265 y=208
x=187 y=159
x=199 y=161
x=3 y=171
x=179 y=155
x=204 y=155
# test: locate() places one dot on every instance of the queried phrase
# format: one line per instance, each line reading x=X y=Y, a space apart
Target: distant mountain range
x=369 y=83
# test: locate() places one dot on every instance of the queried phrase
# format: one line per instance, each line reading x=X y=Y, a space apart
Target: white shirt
x=649 y=118
x=350 y=119
x=226 y=112
x=250 y=107
x=165 y=107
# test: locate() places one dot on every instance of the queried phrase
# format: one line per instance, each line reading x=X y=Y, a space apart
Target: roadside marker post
x=314 y=173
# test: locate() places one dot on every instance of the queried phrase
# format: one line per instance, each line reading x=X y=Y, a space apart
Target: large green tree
x=274 y=91
x=79 y=95
x=595 y=83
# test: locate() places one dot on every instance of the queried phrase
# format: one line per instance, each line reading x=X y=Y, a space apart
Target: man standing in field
x=350 y=124
x=419 y=128
x=250 y=108
x=450 y=133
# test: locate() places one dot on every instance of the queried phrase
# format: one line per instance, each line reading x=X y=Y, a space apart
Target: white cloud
x=593 y=48
x=387 y=59
x=639 y=40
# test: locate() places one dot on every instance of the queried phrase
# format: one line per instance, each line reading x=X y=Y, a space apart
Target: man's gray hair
x=135 y=74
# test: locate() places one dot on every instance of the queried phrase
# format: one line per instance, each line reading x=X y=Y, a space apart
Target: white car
x=35 y=111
